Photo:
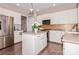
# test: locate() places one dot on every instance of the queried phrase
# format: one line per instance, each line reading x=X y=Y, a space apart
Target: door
x=38 y=44
x=23 y=23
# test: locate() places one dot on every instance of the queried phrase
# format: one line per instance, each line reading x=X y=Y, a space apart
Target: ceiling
x=44 y=8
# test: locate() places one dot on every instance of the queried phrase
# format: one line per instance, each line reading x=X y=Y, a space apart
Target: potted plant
x=35 y=27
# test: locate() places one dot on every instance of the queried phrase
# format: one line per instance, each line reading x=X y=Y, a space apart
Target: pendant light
x=31 y=7
x=33 y=12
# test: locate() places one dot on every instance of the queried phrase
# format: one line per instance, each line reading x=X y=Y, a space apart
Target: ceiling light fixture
x=18 y=4
x=54 y=4
x=31 y=9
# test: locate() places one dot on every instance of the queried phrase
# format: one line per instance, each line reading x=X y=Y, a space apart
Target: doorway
x=24 y=23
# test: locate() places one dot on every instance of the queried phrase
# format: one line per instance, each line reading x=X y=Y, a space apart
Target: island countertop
x=33 y=33
x=33 y=43
x=71 y=38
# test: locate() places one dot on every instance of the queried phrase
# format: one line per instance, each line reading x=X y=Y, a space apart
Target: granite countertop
x=71 y=38
x=33 y=33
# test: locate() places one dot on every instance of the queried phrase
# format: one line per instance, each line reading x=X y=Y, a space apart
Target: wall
x=17 y=16
x=30 y=21
x=62 y=17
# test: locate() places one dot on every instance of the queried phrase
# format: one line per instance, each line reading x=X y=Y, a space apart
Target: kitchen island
x=71 y=43
x=33 y=43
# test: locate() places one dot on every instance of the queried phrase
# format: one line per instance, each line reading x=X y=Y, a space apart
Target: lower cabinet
x=17 y=36
x=33 y=44
x=40 y=43
x=55 y=36
x=70 y=48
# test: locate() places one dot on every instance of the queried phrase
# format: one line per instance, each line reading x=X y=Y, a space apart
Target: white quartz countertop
x=71 y=37
x=33 y=33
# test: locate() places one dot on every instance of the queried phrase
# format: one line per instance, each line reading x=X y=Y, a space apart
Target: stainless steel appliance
x=46 y=22
x=6 y=31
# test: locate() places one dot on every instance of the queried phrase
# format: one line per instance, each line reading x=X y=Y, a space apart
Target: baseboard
x=55 y=42
x=17 y=42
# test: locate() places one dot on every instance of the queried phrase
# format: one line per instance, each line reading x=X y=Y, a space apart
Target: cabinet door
x=17 y=37
x=55 y=36
x=70 y=49
x=65 y=17
x=38 y=44
x=44 y=38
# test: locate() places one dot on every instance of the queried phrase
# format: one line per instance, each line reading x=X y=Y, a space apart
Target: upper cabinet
x=62 y=17
x=65 y=17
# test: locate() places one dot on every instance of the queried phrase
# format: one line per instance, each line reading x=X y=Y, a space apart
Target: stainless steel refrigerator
x=6 y=31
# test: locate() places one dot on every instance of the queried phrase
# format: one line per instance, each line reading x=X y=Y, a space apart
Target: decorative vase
x=36 y=30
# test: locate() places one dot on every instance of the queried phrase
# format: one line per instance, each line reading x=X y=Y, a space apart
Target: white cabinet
x=62 y=17
x=40 y=42
x=55 y=36
x=65 y=17
x=70 y=48
x=17 y=36
x=33 y=43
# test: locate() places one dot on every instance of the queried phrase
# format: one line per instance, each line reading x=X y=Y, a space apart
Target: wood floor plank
x=51 y=49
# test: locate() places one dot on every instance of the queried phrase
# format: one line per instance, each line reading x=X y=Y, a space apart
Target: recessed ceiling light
x=18 y=4
x=31 y=9
x=54 y=5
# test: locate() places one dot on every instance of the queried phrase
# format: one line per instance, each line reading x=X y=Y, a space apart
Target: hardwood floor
x=51 y=49
x=13 y=50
